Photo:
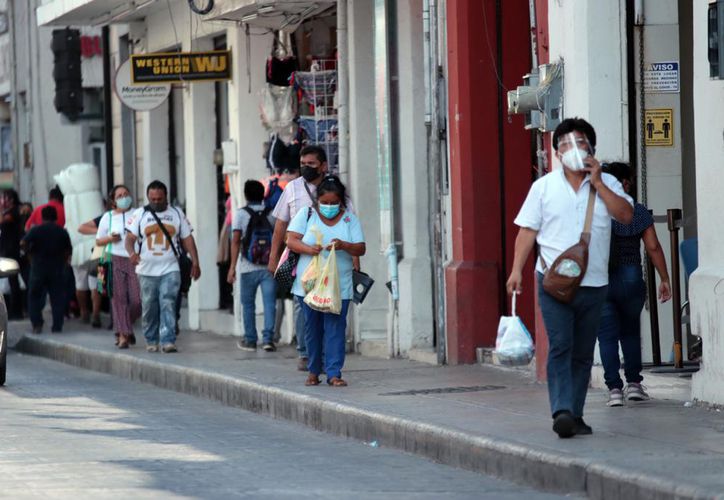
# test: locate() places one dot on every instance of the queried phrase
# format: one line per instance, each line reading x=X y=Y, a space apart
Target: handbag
x=286 y=271
x=562 y=280
x=104 y=267
x=184 y=263
x=361 y=285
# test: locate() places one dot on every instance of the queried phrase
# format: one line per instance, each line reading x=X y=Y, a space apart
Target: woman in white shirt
x=125 y=293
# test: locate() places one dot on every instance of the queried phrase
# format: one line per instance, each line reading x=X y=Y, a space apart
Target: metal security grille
x=446 y=390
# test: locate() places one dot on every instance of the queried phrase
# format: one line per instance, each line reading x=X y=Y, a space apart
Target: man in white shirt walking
x=553 y=215
x=157 y=265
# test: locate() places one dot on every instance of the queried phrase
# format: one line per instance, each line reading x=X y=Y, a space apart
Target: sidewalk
x=482 y=418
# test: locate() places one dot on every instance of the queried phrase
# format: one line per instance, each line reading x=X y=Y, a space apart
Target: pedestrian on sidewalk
x=55 y=200
x=298 y=195
x=50 y=249
x=125 y=293
x=341 y=229
x=253 y=227
x=11 y=233
x=553 y=215
x=621 y=320
x=159 y=229
x=91 y=228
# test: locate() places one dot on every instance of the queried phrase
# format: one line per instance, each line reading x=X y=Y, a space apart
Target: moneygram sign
x=144 y=97
x=181 y=67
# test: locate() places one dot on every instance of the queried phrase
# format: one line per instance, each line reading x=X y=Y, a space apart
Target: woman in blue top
x=325 y=332
x=621 y=316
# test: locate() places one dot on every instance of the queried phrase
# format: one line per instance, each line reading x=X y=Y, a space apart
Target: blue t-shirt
x=348 y=229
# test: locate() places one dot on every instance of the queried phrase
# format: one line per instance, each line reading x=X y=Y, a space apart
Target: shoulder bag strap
x=165 y=232
x=313 y=198
x=586 y=234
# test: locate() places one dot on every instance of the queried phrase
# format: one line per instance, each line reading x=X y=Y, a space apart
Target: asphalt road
x=70 y=433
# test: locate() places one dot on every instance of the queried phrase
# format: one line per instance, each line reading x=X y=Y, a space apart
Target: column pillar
x=473 y=277
x=199 y=142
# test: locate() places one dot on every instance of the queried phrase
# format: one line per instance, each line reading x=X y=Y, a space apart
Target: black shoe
x=564 y=424
x=38 y=329
x=56 y=330
x=96 y=323
x=582 y=428
x=269 y=347
x=246 y=346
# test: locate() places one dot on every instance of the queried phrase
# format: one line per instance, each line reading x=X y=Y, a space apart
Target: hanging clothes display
x=282 y=156
x=279 y=71
x=278 y=108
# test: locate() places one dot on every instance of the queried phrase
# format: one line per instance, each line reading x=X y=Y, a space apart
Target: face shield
x=574 y=149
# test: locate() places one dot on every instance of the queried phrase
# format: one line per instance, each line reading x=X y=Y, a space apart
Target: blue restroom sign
x=662 y=77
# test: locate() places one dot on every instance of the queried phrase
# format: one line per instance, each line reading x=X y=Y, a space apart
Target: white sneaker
x=615 y=397
x=636 y=392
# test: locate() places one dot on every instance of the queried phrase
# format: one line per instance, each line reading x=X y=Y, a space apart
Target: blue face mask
x=124 y=203
x=329 y=211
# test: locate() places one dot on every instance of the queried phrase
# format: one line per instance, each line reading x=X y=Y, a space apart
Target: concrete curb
x=536 y=468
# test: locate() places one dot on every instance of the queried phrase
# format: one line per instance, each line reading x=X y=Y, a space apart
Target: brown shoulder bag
x=564 y=277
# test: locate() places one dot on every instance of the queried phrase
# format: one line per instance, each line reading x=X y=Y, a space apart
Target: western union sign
x=181 y=66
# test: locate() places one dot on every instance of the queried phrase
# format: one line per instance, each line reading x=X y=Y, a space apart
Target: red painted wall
x=481 y=138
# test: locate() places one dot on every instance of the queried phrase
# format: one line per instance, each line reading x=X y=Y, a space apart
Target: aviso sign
x=181 y=66
x=139 y=97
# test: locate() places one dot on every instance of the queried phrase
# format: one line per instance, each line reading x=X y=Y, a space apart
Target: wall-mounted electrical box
x=716 y=39
x=540 y=98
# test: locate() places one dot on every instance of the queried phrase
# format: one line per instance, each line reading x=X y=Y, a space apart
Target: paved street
x=70 y=433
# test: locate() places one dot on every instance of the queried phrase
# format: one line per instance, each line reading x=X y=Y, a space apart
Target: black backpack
x=257 y=241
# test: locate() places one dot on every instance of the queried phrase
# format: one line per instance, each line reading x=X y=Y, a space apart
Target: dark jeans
x=571 y=337
x=621 y=322
x=51 y=281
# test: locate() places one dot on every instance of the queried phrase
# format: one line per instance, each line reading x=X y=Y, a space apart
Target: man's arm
x=131 y=248
x=524 y=243
x=618 y=206
x=189 y=245
x=280 y=231
x=235 y=246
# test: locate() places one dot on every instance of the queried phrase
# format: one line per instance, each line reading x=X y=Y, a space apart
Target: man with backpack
x=253 y=228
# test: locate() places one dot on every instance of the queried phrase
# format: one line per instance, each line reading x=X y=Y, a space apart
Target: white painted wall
x=707 y=283
x=371 y=317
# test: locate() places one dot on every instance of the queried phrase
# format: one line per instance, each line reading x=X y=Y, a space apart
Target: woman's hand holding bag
x=326 y=296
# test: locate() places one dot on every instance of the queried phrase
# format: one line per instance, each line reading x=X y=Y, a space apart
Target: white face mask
x=573 y=159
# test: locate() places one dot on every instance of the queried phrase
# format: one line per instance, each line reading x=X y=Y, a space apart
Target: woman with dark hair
x=621 y=316
x=126 y=293
x=11 y=232
x=341 y=229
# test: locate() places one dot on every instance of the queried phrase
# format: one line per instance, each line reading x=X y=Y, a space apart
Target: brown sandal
x=123 y=341
x=336 y=382
x=312 y=379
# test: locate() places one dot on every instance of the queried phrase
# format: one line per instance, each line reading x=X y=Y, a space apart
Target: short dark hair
x=157 y=185
x=575 y=125
x=13 y=195
x=55 y=194
x=621 y=171
x=253 y=191
x=49 y=213
x=318 y=151
x=332 y=184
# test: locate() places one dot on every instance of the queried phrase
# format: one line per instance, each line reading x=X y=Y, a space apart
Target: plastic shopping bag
x=514 y=345
x=325 y=296
x=311 y=273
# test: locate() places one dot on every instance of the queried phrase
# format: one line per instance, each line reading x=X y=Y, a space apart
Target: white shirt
x=295 y=197
x=240 y=223
x=157 y=256
x=114 y=224
x=558 y=213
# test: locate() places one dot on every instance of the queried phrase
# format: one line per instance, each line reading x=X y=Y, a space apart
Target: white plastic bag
x=514 y=345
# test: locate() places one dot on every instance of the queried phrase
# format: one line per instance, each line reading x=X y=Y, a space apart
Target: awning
x=95 y=12
x=272 y=14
